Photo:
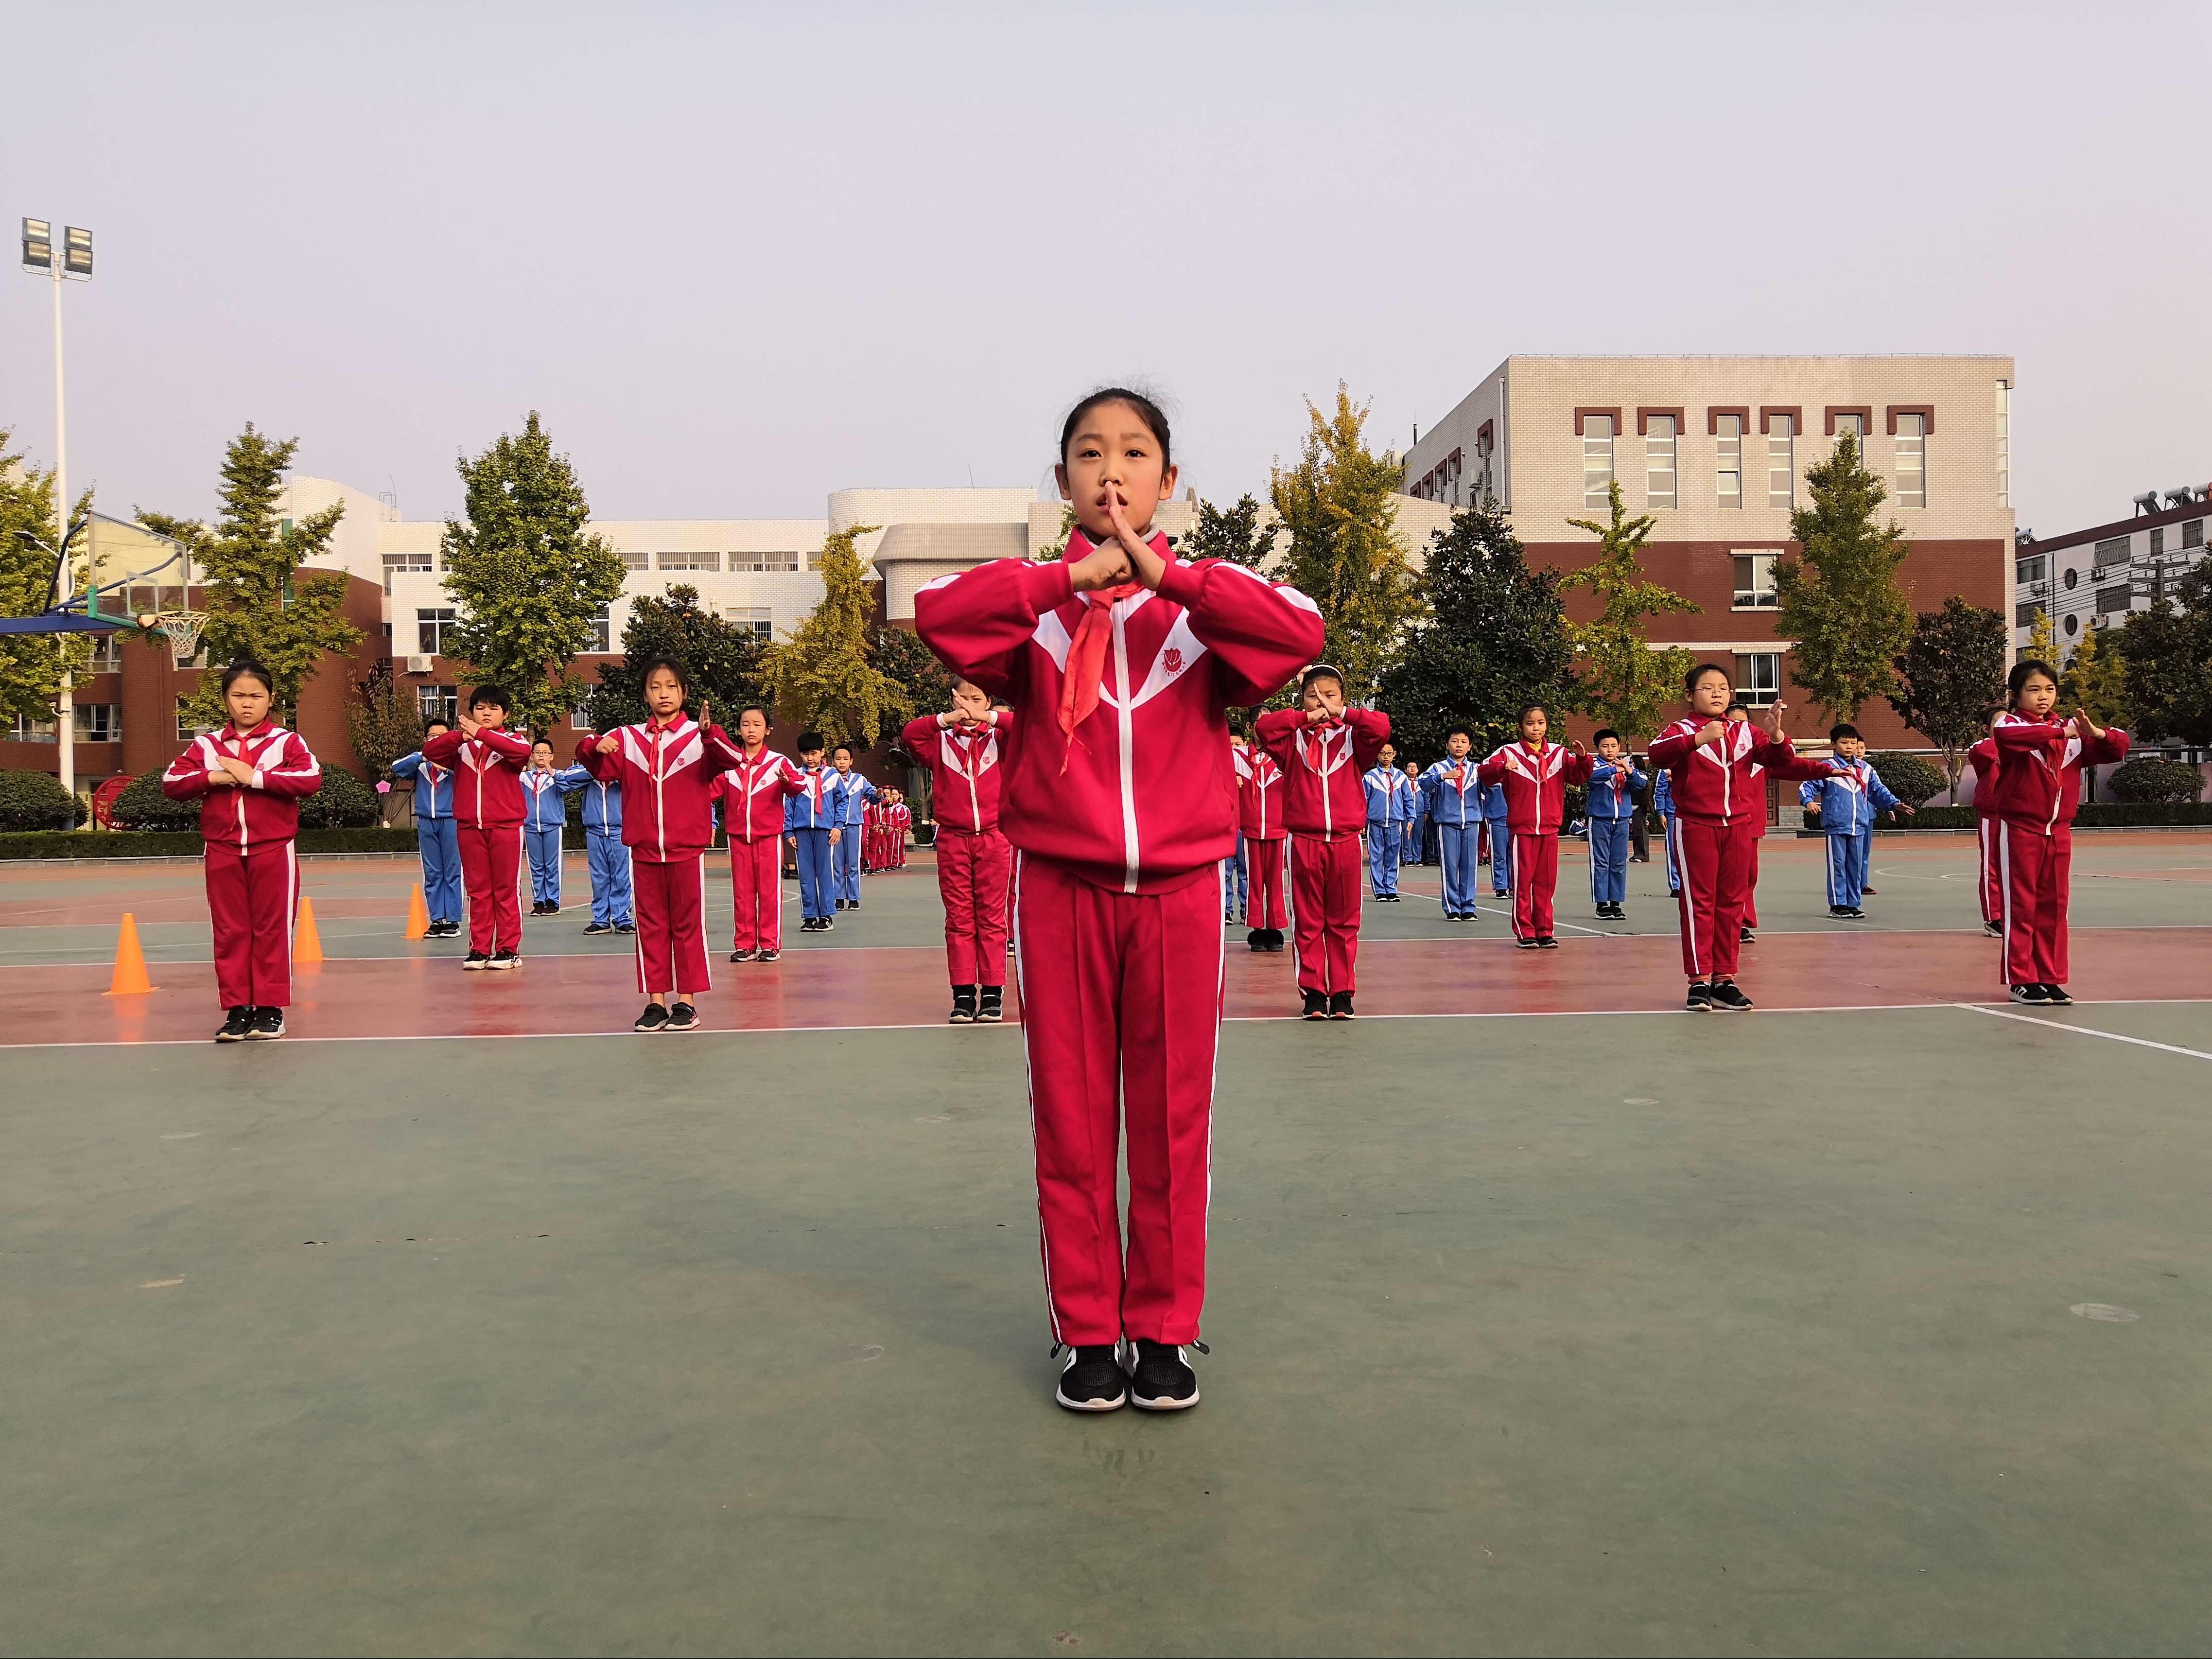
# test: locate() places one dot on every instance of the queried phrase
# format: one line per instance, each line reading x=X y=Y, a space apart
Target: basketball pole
x=65 y=700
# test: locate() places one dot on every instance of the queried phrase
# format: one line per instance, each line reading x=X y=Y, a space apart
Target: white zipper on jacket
x=1125 y=707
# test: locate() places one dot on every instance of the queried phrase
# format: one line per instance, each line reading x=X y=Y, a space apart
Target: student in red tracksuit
x=2039 y=763
x=1738 y=714
x=1989 y=826
x=1536 y=773
x=248 y=777
x=1324 y=750
x=1120 y=663
x=1259 y=821
x=665 y=765
x=488 y=813
x=751 y=795
x=1720 y=812
x=965 y=751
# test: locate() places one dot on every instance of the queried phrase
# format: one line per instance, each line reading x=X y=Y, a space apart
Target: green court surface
x=1883 y=1329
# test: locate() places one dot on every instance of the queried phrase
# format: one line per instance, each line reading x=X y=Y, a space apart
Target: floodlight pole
x=65 y=700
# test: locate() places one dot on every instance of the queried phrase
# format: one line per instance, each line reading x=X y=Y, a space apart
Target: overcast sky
x=741 y=258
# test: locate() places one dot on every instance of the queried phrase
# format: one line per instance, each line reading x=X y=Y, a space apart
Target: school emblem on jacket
x=1171 y=660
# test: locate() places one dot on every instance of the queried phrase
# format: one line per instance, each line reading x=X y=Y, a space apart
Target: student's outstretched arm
x=407 y=766
x=446 y=748
x=1260 y=632
x=1491 y=769
x=1809 y=793
x=1578 y=768
x=2023 y=734
x=510 y=746
x=293 y=770
x=980 y=621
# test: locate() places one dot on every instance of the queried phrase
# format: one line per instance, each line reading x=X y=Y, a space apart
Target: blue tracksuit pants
x=544 y=847
x=610 y=862
x=815 y=898
x=1667 y=845
x=845 y=861
x=1847 y=868
x=1501 y=858
x=440 y=841
x=1236 y=888
x=1382 y=856
x=1409 y=841
x=1608 y=845
x=1457 y=847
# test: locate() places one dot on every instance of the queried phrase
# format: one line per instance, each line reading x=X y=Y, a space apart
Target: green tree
x=927 y=682
x=1950 y=679
x=382 y=717
x=1840 y=601
x=1337 y=503
x=1495 y=638
x=32 y=665
x=1620 y=680
x=1234 y=533
x=257 y=603
x=722 y=662
x=2168 y=652
x=526 y=575
x=825 y=672
x=2095 y=678
x=1057 y=547
x=2042 y=640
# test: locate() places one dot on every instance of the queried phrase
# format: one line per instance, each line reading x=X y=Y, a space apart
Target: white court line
x=2083 y=1031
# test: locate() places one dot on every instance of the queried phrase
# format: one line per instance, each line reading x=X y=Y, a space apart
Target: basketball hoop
x=182 y=627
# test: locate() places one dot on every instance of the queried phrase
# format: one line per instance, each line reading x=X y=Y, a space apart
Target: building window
x=2004 y=443
x=187 y=731
x=2073 y=626
x=2112 y=551
x=1855 y=425
x=100 y=722
x=29 y=728
x=2192 y=533
x=403 y=562
x=1729 y=444
x=436 y=703
x=1597 y=461
x=1757 y=677
x=758 y=620
x=433 y=627
x=2024 y=615
x=1754 y=581
x=766 y=562
x=1659 y=461
x=106 y=653
x=1912 y=460
x=691 y=562
x=2114 y=599
x=2072 y=577
x=635 y=560
x=579 y=719
x=1782 y=461
x=596 y=638
x=2027 y=570
x=2157 y=542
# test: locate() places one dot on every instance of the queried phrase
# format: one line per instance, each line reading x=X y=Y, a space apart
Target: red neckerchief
x=1312 y=744
x=1086 y=651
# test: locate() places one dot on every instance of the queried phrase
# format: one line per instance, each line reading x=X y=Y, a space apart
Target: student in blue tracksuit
x=1386 y=822
x=1614 y=787
x=1416 y=800
x=1235 y=884
x=1454 y=804
x=605 y=853
x=1662 y=808
x=1501 y=840
x=435 y=834
x=854 y=794
x=810 y=820
x=544 y=815
x=1848 y=799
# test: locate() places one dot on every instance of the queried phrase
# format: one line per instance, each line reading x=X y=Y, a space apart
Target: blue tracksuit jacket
x=1848 y=797
x=854 y=794
x=1612 y=805
x=544 y=813
x=1385 y=787
x=1454 y=818
x=808 y=818
x=436 y=833
x=603 y=851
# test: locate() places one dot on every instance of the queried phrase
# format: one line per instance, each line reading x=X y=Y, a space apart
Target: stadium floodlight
x=37 y=245
x=77 y=251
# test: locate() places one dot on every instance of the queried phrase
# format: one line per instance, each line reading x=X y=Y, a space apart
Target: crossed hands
x=240 y=773
x=1129 y=557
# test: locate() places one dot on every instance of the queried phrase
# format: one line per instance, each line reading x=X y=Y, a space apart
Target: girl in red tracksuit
x=1535 y=775
x=1324 y=750
x=1260 y=820
x=2038 y=783
x=665 y=764
x=249 y=777
x=488 y=812
x=965 y=751
x=751 y=795
x=1713 y=766
x=1120 y=663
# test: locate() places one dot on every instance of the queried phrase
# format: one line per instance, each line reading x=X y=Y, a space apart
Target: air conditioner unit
x=419 y=665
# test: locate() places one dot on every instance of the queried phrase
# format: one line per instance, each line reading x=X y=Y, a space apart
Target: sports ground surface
x=1544 y=1317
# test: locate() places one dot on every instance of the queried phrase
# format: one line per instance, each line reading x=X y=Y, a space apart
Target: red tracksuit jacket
x=266 y=814
x=1536 y=782
x=1719 y=782
x=1258 y=796
x=665 y=772
x=753 y=792
x=1982 y=757
x=2039 y=771
x=1143 y=798
x=1323 y=765
x=486 y=775
x=967 y=769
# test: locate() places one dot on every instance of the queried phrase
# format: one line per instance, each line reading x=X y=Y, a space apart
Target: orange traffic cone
x=130 y=962
x=418 y=916
x=307 y=943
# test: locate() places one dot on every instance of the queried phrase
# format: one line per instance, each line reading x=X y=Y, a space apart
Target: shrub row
x=36 y=800
x=183 y=843
x=2095 y=815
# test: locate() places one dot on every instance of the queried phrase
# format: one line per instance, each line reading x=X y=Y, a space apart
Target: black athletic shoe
x=1340 y=1005
x=600 y=928
x=992 y=1007
x=1729 y=996
x=651 y=1019
x=825 y=925
x=742 y=956
x=2034 y=994
x=1256 y=939
x=767 y=956
x=505 y=959
x=1524 y=944
x=237 y=1027
x=1317 y=1004
x=1092 y=1379
x=1746 y=936
x=1275 y=943
x=808 y=926
x=963 y=1005
x=1994 y=929
x=625 y=928
x=1840 y=912
x=1163 y=1380
x=683 y=1017
x=841 y=904
x=475 y=961
x=268 y=1023
x=851 y=904
x=1700 y=1000
x=2056 y=995
x=1857 y=915
x=1545 y=942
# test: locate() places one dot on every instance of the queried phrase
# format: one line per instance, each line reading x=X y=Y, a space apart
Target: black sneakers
x=1317 y=1004
x=2056 y=995
x=444 y=930
x=1163 y=1380
x=767 y=956
x=1275 y=945
x=1257 y=938
x=742 y=956
x=1524 y=944
x=1746 y=936
x=475 y=961
x=963 y=1005
x=237 y=1027
x=1092 y=1379
x=625 y=928
x=841 y=904
x=2034 y=994
x=1727 y=995
x=1340 y=1005
x=1700 y=1000
x=1994 y=929
x=683 y=1017
x=504 y=959
x=651 y=1019
x=268 y=1023
x=600 y=928
x=1545 y=942
x=991 y=1008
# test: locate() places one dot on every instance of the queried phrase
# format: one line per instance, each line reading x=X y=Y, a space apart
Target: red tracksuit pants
x=1992 y=881
x=1263 y=884
x=672 y=924
x=757 y=894
x=1120 y=1012
x=1535 y=877
x=2037 y=868
x=973 y=873
x=251 y=900
x=1718 y=864
x=491 y=871
x=1325 y=876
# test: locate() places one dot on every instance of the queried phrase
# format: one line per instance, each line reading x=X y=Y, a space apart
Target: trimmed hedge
x=184 y=843
x=2096 y=815
x=36 y=800
x=2152 y=778
x=343 y=802
x=1912 y=778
